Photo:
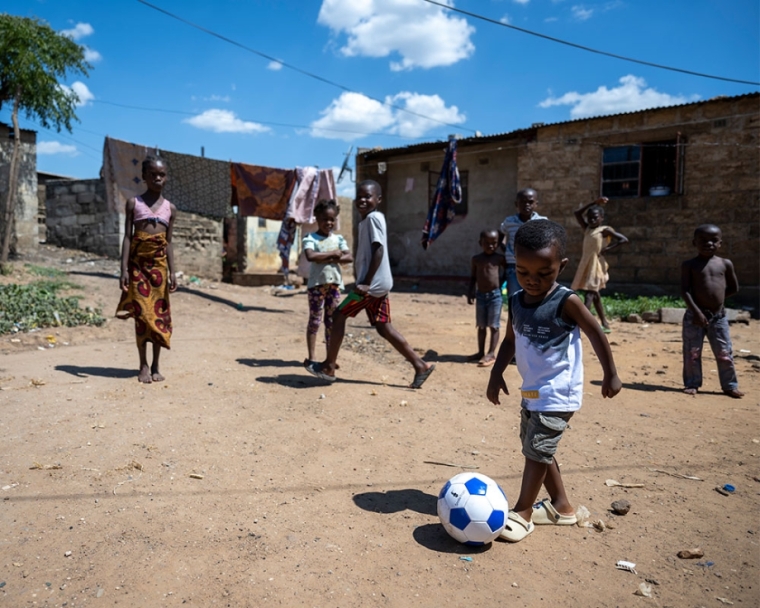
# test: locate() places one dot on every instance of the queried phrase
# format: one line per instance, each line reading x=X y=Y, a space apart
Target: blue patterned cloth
x=448 y=192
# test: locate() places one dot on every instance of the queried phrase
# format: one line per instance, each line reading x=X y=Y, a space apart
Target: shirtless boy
x=484 y=288
x=706 y=281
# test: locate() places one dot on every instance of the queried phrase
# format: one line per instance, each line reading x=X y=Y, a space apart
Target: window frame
x=645 y=166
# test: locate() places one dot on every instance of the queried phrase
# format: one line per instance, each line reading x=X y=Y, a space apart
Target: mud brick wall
x=198 y=245
x=78 y=217
x=25 y=235
x=721 y=186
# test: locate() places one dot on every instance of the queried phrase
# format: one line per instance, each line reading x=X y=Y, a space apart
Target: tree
x=33 y=60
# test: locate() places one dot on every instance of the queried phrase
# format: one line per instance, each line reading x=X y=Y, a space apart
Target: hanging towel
x=198 y=185
x=261 y=191
x=314 y=185
x=122 y=171
x=448 y=192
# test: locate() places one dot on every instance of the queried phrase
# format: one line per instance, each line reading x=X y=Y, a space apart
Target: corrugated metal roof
x=434 y=145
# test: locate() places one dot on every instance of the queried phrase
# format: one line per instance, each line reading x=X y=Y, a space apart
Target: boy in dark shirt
x=484 y=288
x=706 y=281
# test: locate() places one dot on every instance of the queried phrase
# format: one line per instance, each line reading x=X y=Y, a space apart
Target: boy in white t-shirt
x=373 y=283
x=543 y=334
x=326 y=251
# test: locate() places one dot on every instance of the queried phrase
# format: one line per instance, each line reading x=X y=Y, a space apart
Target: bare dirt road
x=243 y=481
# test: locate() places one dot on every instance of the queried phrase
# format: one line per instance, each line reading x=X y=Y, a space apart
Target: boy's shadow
x=103 y=372
x=430 y=536
x=306 y=380
x=230 y=303
x=653 y=388
x=268 y=363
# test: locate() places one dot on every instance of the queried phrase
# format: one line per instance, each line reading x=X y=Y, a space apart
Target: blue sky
x=473 y=75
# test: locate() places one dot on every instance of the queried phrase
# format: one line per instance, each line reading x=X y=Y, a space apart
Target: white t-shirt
x=325 y=274
x=372 y=229
x=548 y=353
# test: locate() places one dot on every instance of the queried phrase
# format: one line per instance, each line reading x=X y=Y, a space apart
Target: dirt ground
x=243 y=481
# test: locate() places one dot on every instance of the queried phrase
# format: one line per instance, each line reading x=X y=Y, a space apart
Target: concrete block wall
x=198 y=244
x=78 y=217
x=721 y=186
x=25 y=232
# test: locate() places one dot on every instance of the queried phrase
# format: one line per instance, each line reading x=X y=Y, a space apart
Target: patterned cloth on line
x=314 y=185
x=122 y=171
x=448 y=192
x=147 y=299
x=261 y=191
x=198 y=185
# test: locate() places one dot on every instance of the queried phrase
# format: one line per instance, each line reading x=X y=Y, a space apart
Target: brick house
x=702 y=158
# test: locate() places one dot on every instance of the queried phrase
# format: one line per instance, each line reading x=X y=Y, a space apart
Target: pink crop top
x=144 y=213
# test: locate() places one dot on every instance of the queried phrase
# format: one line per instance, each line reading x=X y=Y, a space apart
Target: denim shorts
x=540 y=433
x=488 y=309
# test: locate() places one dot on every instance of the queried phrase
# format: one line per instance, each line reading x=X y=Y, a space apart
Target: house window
x=634 y=170
x=459 y=209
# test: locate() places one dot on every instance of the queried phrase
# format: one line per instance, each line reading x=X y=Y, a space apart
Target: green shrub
x=25 y=307
x=619 y=306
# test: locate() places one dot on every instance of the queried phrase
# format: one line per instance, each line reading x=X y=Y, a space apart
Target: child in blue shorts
x=484 y=289
x=543 y=334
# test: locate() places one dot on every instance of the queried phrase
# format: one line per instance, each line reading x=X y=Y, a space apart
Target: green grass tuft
x=27 y=307
x=619 y=306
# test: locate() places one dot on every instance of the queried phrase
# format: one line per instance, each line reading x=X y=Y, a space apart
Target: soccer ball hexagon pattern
x=473 y=508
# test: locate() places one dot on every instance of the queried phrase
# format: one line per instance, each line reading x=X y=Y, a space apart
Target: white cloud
x=80 y=30
x=56 y=147
x=224 y=98
x=423 y=35
x=432 y=106
x=91 y=55
x=350 y=115
x=80 y=88
x=224 y=121
x=631 y=95
x=521 y=1
x=505 y=20
x=354 y=114
x=550 y=19
x=275 y=66
x=581 y=13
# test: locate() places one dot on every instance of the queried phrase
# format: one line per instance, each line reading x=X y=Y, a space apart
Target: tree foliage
x=34 y=58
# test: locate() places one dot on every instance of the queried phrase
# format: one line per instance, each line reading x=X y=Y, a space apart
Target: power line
x=295 y=68
x=263 y=122
x=586 y=48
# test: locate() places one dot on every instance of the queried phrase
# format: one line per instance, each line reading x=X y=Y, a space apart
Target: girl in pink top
x=147 y=268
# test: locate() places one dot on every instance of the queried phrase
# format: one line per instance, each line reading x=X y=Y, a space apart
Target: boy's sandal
x=315 y=369
x=544 y=513
x=516 y=528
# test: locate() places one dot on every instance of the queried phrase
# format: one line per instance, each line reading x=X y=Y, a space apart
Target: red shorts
x=378 y=309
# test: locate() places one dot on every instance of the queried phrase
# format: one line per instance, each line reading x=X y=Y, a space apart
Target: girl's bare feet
x=735 y=393
x=157 y=377
x=690 y=391
x=144 y=376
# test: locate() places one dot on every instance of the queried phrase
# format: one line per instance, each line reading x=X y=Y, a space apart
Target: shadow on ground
x=269 y=363
x=434 y=537
x=394 y=501
x=307 y=381
x=102 y=372
x=652 y=388
x=232 y=304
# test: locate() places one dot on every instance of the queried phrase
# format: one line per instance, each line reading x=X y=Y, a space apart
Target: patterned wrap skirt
x=147 y=299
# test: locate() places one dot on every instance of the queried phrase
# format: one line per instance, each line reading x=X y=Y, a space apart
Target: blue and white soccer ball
x=473 y=508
